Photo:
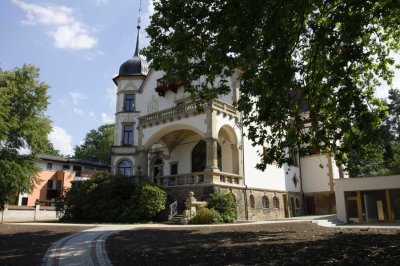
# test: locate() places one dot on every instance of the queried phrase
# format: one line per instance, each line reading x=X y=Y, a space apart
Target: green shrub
x=148 y=201
x=224 y=204
x=101 y=199
x=206 y=216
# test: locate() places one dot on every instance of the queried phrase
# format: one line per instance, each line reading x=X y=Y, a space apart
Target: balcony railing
x=183 y=179
x=198 y=178
x=185 y=110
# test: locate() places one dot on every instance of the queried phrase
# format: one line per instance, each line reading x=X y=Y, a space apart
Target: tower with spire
x=129 y=81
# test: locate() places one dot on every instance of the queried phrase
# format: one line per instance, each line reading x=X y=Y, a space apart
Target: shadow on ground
x=273 y=244
x=27 y=244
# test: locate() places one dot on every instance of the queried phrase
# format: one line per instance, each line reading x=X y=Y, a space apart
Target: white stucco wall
x=361 y=184
x=273 y=178
x=195 y=123
x=315 y=178
x=55 y=166
x=183 y=155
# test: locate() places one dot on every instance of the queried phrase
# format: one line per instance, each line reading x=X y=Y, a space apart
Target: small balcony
x=163 y=86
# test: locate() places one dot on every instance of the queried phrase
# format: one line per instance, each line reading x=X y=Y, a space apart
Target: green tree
x=23 y=124
x=50 y=150
x=380 y=154
x=97 y=144
x=323 y=57
x=148 y=201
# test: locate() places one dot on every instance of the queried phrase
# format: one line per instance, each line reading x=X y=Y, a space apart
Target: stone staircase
x=175 y=220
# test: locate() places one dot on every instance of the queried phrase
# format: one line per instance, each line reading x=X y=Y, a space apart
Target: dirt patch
x=26 y=244
x=268 y=244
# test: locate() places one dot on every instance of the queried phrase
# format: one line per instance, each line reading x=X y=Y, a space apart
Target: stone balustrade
x=227 y=178
x=185 y=110
x=183 y=179
x=199 y=178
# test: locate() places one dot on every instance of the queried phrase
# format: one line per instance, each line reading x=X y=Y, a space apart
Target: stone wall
x=324 y=202
x=260 y=212
x=28 y=214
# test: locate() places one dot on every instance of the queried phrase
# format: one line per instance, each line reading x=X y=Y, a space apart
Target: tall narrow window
x=129 y=102
x=252 y=202
x=49 y=166
x=125 y=168
x=128 y=135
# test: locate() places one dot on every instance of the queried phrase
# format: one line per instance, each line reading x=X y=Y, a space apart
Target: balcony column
x=211 y=155
x=142 y=163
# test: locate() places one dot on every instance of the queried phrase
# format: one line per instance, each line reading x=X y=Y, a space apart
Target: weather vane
x=140 y=10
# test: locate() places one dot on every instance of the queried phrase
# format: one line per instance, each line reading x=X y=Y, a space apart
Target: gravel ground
x=26 y=244
x=267 y=244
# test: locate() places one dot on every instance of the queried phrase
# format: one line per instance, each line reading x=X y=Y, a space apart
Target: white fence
x=28 y=214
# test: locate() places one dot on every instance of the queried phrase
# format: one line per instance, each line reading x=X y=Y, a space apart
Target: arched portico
x=229 y=149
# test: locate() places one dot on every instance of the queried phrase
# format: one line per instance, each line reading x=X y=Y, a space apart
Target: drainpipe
x=246 y=209
x=301 y=182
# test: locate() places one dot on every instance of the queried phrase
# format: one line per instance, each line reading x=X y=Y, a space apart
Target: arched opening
x=265 y=202
x=275 y=202
x=227 y=139
x=199 y=156
x=252 y=202
x=297 y=203
x=292 y=205
x=157 y=167
x=125 y=168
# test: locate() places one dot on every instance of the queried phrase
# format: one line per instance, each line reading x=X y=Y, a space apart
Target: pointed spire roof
x=136 y=66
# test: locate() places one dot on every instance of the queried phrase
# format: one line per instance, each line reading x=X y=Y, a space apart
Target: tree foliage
x=23 y=124
x=106 y=198
x=322 y=57
x=101 y=199
x=97 y=144
x=224 y=204
x=148 y=201
x=380 y=155
x=50 y=150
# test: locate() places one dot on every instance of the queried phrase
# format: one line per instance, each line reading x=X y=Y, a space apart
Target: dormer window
x=129 y=103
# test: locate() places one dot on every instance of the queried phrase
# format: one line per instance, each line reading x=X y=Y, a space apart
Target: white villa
x=161 y=138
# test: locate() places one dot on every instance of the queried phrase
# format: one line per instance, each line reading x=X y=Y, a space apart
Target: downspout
x=246 y=209
x=301 y=183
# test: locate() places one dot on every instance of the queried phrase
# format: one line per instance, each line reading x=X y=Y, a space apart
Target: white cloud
x=91 y=113
x=67 y=31
x=107 y=119
x=78 y=111
x=61 y=140
x=77 y=97
x=101 y=2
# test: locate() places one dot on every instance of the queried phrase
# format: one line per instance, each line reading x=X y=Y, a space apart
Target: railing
x=173 y=209
x=184 y=110
x=224 y=107
x=229 y=178
x=184 y=179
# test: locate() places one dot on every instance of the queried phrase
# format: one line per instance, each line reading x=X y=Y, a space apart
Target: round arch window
x=125 y=168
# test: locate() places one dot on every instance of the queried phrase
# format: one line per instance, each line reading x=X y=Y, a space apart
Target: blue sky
x=79 y=46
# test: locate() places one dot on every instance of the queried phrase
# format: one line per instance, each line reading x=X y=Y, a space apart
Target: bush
x=224 y=204
x=102 y=199
x=206 y=216
x=148 y=201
